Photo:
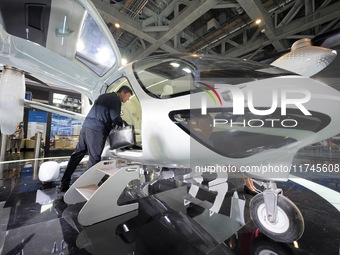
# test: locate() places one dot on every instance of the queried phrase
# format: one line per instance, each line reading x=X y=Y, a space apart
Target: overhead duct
x=213 y=23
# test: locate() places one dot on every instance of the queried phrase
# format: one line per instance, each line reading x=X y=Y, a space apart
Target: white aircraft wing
x=305 y=59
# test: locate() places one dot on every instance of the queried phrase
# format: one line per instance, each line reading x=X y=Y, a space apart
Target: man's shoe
x=64 y=186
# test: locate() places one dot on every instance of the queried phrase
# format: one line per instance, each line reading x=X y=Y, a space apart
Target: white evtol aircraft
x=190 y=111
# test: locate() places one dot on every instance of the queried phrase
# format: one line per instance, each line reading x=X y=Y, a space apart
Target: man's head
x=124 y=93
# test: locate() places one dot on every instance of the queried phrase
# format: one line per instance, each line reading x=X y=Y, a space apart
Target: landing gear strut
x=276 y=216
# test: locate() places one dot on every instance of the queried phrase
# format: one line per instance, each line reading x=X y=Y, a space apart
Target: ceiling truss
x=227 y=28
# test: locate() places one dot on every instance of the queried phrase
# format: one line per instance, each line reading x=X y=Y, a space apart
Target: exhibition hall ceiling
x=227 y=28
x=221 y=27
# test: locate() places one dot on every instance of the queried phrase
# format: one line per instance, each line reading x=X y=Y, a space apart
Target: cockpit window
x=163 y=76
x=164 y=79
x=93 y=49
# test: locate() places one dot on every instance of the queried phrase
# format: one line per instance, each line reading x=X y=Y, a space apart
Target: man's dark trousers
x=87 y=137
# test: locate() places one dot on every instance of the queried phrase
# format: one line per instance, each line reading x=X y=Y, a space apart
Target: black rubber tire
x=289 y=226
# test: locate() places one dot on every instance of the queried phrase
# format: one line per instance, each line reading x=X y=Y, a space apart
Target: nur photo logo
x=211 y=91
x=242 y=101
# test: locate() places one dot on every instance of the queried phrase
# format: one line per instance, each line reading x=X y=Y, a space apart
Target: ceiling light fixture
x=187 y=70
x=258 y=21
x=124 y=61
x=117 y=25
x=174 y=64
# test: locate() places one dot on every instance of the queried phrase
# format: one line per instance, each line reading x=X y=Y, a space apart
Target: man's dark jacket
x=104 y=113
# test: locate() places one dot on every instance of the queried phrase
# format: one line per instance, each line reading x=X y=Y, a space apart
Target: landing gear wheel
x=289 y=225
x=265 y=246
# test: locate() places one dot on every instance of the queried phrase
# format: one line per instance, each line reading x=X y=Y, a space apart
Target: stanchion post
x=3 y=153
x=37 y=154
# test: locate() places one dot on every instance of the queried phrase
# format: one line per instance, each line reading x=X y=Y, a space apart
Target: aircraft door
x=131 y=110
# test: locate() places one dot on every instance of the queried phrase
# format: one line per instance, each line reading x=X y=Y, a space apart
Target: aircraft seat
x=167 y=91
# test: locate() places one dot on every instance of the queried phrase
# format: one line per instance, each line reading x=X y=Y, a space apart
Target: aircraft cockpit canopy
x=165 y=77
